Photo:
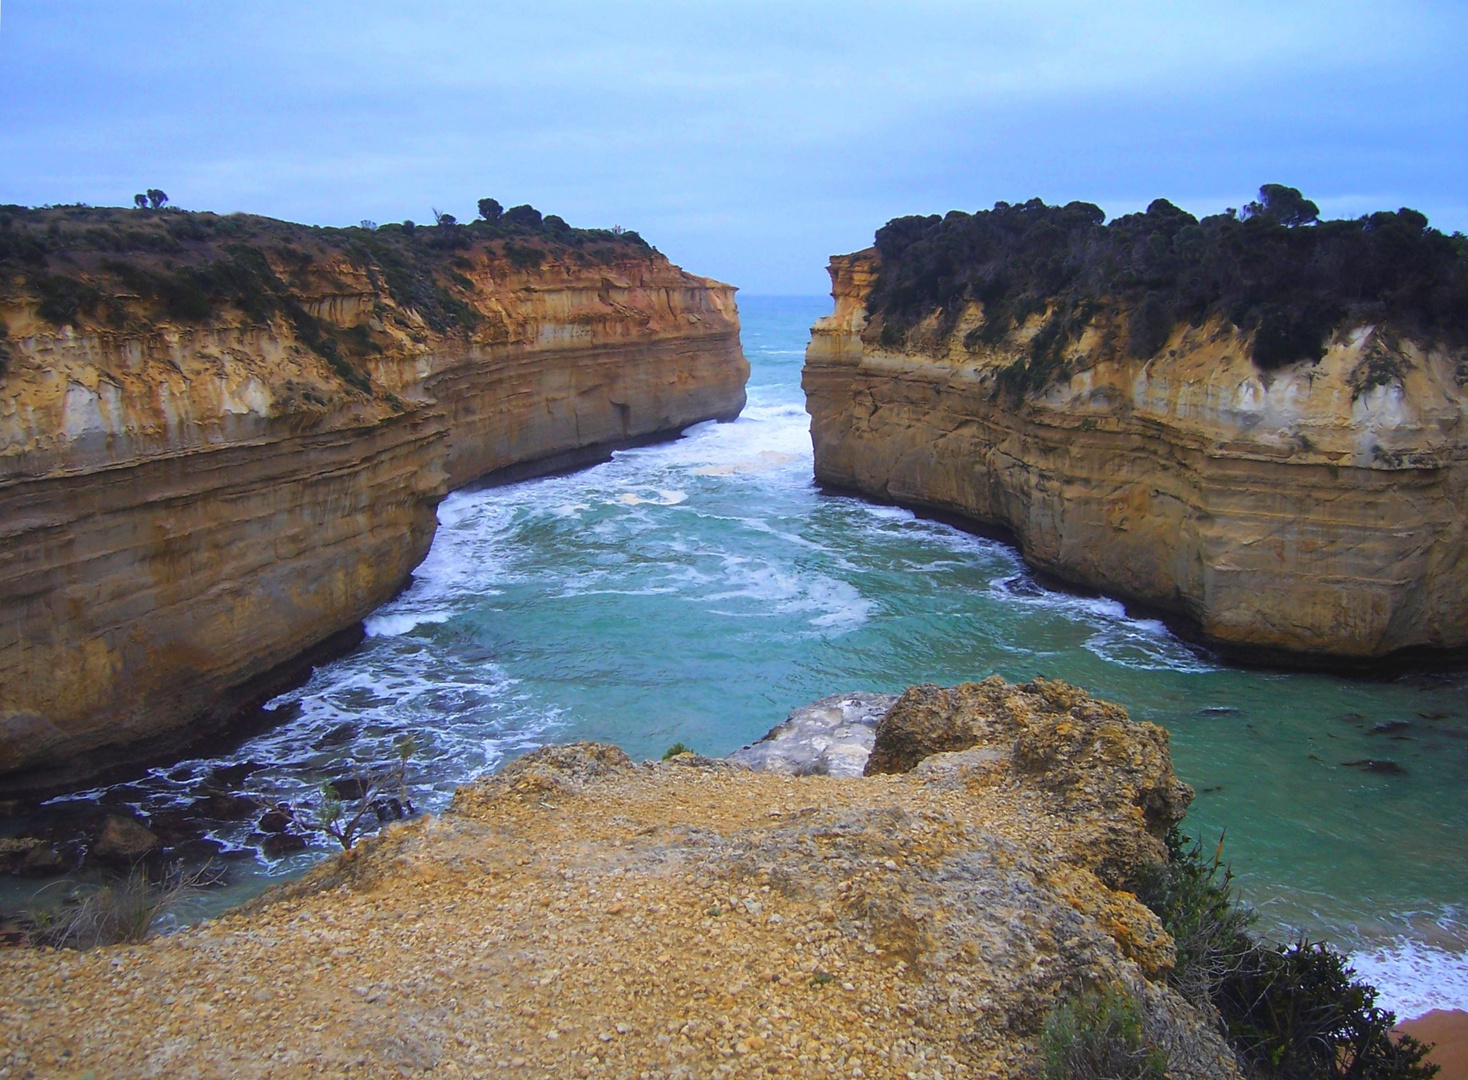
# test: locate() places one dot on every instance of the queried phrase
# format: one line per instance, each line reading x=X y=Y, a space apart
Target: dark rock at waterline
x=348 y=788
x=1386 y=727
x=198 y=850
x=278 y=845
x=175 y=827
x=50 y=859
x=229 y=777
x=1374 y=765
x=391 y=809
x=221 y=806
x=276 y=820
x=337 y=736
x=124 y=840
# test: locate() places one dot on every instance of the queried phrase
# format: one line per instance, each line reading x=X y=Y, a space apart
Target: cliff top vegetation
x=126 y=266
x=1274 y=269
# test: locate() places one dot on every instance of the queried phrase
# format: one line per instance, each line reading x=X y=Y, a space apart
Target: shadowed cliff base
x=222 y=438
x=1290 y=508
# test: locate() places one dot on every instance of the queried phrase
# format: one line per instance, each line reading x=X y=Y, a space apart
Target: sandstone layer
x=1312 y=512
x=187 y=506
x=579 y=915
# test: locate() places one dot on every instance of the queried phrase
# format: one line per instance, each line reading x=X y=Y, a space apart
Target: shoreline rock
x=190 y=509
x=581 y=915
x=830 y=737
x=1291 y=516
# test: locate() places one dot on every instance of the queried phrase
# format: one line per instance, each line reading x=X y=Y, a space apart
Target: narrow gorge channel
x=697 y=591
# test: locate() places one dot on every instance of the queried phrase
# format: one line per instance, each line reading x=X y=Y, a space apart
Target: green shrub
x=674 y=750
x=1193 y=897
x=1291 y=1012
x=1098 y=1036
x=1297 y=1012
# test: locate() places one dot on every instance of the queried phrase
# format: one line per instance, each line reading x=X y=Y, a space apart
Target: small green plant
x=673 y=751
x=1192 y=894
x=1098 y=1036
x=346 y=819
x=112 y=911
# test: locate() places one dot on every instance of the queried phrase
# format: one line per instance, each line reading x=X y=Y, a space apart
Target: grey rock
x=831 y=737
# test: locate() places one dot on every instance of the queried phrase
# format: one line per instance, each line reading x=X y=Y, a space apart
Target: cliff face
x=581 y=915
x=1317 y=508
x=188 y=503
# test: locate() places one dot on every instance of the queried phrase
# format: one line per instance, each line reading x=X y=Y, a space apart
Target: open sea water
x=698 y=590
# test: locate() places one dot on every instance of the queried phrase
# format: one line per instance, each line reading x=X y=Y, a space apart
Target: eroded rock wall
x=184 y=511
x=1316 y=511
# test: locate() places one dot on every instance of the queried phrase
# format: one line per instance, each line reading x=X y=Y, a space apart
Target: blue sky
x=747 y=140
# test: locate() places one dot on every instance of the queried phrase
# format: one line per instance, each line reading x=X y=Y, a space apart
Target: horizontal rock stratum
x=579 y=915
x=222 y=439
x=1279 y=456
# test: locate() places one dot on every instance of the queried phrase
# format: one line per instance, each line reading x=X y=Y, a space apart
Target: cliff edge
x=1256 y=423
x=580 y=915
x=222 y=438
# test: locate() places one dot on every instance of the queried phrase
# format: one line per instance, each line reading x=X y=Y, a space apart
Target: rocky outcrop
x=580 y=915
x=830 y=737
x=1310 y=512
x=207 y=470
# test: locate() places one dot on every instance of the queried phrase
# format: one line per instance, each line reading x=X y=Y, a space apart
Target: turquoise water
x=698 y=590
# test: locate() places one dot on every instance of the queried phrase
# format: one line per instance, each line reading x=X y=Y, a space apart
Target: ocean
x=696 y=591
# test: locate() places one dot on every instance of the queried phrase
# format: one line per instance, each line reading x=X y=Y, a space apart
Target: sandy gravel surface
x=589 y=917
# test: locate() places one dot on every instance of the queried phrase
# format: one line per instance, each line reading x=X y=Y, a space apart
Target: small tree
x=140 y=201
x=490 y=210
x=444 y=219
x=1284 y=205
x=157 y=198
x=524 y=215
x=343 y=822
x=368 y=224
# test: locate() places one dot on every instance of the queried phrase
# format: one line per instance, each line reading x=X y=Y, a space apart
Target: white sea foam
x=661 y=497
x=390 y=625
x=1413 y=978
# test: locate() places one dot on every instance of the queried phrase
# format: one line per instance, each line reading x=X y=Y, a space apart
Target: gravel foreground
x=580 y=915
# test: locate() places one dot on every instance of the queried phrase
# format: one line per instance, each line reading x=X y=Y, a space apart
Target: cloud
x=748 y=140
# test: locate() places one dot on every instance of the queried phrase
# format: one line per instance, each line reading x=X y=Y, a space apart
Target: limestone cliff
x=579 y=915
x=1313 y=508
x=222 y=439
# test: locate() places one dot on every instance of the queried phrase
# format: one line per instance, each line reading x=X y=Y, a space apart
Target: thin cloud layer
x=747 y=140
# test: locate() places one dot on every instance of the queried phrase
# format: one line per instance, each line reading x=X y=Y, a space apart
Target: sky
x=747 y=140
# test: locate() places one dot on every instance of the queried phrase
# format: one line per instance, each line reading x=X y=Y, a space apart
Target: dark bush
x=62 y=299
x=525 y=216
x=1150 y=323
x=523 y=256
x=490 y=210
x=1291 y=1012
x=1277 y=271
